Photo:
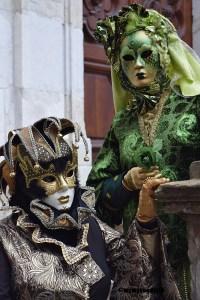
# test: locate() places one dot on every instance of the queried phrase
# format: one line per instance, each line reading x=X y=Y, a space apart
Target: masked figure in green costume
x=155 y=132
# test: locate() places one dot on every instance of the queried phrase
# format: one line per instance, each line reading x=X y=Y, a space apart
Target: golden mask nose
x=62 y=184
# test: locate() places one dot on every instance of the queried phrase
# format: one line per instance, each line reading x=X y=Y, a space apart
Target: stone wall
x=7 y=104
x=196 y=25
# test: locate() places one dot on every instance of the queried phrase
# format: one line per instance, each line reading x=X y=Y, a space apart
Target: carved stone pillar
x=183 y=198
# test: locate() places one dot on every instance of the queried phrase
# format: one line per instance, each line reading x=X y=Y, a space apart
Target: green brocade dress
x=175 y=144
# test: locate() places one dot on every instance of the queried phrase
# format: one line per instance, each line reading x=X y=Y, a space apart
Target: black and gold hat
x=40 y=143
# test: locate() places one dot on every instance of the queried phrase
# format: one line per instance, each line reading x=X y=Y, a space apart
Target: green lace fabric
x=176 y=145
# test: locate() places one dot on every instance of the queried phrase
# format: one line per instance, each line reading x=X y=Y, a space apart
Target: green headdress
x=177 y=59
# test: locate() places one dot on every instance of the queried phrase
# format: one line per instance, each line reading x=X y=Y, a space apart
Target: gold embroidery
x=148 y=122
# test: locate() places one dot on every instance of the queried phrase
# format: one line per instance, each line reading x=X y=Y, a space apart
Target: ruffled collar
x=53 y=220
x=50 y=218
x=78 y=258
x=35 y=233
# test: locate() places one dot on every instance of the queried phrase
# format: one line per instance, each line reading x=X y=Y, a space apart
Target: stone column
x=183 y=198
x=196 y=25
x=41 y=64
x=7 y=104
x=38 y=60
x=74 y=75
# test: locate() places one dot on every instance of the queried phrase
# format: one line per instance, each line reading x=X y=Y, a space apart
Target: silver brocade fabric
x=38 y=273
x=43 y=274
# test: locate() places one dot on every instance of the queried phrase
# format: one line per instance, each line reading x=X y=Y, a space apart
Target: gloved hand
x=134 y=178
x=146 y=207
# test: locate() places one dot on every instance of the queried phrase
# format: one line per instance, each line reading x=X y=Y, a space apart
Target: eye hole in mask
x=70 y=173
x=128 y=57
x=48 y=179
x=146 y=54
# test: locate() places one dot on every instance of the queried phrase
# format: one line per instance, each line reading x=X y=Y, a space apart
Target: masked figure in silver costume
x=53 y=246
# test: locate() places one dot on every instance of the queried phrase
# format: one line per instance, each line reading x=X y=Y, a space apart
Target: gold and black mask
x=34 y=149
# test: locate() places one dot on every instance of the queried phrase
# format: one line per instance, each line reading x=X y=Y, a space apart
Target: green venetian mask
x=139 y=59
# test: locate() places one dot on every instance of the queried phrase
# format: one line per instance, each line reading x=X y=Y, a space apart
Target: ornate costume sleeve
x=5 y=281
x=139 y=263
x=106 y=176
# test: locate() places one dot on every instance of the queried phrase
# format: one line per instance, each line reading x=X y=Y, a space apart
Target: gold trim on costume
x=148 y=122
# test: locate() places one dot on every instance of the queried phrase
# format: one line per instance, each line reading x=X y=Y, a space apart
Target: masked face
x=59 y=189
x=139 y=59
